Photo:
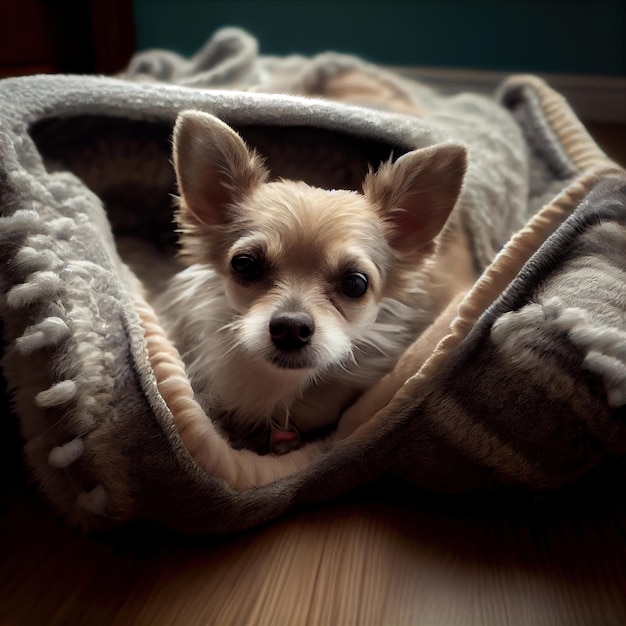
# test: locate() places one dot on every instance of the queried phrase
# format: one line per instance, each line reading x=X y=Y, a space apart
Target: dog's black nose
x=291 y=331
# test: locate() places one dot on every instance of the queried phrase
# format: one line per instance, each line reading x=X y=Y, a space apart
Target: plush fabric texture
x=525 y=389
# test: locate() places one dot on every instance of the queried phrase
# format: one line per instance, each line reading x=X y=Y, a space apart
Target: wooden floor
x=387 y=555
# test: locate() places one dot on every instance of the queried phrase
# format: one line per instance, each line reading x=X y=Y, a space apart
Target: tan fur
x=304 y=241
x=378 y=396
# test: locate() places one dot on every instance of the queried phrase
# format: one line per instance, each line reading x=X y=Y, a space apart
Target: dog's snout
x=291 y=331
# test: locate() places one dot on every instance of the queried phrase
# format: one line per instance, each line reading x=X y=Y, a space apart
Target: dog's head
x=306 y=268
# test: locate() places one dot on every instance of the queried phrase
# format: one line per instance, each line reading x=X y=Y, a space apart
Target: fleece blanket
x=521 y=384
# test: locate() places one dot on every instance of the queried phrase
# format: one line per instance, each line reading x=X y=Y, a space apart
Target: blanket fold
x=525 y=388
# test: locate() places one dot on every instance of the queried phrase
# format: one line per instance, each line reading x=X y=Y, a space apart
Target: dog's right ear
x=215 y=169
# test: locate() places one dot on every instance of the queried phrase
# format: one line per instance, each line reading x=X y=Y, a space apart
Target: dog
x=294 y=299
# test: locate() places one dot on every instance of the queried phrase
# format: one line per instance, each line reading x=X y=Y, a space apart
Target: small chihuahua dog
x=297 y=298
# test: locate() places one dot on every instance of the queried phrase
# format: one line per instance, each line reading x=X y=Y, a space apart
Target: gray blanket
x=526 y=388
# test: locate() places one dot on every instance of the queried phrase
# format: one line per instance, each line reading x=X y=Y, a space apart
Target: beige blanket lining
x=243 y=469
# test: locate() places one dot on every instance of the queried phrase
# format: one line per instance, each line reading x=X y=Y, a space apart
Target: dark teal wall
x=583 y=37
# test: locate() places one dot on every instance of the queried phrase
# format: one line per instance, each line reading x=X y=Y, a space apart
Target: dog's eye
x=247 y=266
x=354 y=285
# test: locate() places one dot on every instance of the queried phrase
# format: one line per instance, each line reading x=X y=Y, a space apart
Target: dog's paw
x=604 y=347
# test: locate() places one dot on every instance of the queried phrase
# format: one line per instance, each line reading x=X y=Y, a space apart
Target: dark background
x=555 y=36
x=583 y=37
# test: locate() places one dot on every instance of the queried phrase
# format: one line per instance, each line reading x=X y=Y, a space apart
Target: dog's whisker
x=234 y=325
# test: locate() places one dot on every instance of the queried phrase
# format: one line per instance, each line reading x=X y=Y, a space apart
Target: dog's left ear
x=417 y=193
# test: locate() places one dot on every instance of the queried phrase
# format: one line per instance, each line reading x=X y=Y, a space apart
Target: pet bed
x=526 y=389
